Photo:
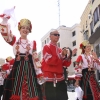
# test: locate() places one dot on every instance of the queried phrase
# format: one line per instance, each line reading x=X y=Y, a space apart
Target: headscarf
x=83 y=45
x=25 y=22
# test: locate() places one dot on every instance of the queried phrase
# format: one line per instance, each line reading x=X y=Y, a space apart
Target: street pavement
x=71 y=95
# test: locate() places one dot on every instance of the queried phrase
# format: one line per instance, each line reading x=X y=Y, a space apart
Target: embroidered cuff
x=39 y=75
x=77 y=77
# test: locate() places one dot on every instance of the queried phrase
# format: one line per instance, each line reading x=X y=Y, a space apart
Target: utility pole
x=59 y=10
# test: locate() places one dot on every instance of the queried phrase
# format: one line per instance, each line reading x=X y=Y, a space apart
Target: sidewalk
x=71 y=95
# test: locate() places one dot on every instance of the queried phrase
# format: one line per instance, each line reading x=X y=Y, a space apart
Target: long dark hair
x=70 y=56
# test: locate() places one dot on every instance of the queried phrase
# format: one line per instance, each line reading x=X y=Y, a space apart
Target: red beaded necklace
x=23 y=43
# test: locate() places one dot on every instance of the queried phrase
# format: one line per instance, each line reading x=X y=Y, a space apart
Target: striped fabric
x=22 y=82
x=91 y=91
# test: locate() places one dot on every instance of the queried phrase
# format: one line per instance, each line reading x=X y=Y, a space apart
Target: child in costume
x=21 y=83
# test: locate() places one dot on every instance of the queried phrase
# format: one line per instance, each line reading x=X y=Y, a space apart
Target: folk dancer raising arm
x=21 y=84
x=86 y=64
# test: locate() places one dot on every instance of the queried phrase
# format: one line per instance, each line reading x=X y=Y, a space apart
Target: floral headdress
x=83 y=45
x=8 y=59
x=25 y=22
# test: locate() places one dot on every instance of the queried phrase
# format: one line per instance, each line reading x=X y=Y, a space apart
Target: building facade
x=90 y=25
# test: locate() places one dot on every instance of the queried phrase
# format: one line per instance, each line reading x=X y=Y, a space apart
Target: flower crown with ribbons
x=8 y=59
x=84 y=44
x=25 y=22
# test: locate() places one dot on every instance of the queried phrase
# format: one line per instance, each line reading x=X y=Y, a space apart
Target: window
x=95 y=15
x=92 y=1
x=98 y=14
x=74 y=43
x=86 y=24
x=90 y=15
x=86 y=35
x=83 y=28
x=91 y=26
x=45 y=41
x=98 y=50
x=73 y=33
x=99 y=11
x=42 y=44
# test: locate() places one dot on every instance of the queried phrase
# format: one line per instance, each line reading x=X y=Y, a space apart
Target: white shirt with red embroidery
x=82 y=63
x=11 y=39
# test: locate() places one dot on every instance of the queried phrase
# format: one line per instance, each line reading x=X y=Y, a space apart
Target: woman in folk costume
x=86 y=64
x=21 y=83
x=7 y=67
x=4 y=72
x=1 y=82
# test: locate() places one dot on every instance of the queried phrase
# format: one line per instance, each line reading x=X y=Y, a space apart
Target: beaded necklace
x=89 y=62
x=21 y=43
x=17 y=49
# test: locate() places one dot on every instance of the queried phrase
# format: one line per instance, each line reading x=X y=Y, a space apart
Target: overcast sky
x=44 y=15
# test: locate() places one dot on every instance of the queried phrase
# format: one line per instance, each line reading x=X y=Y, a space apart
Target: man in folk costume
x=86 y=64
x=53 y=61
x=21 y=83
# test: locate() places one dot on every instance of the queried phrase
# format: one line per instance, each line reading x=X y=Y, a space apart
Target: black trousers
x=65 y=73
x=56 y=93
x=1 y=91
